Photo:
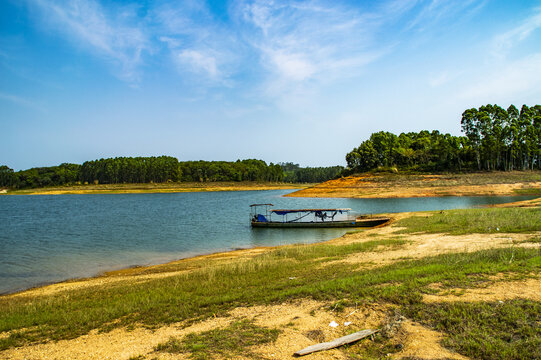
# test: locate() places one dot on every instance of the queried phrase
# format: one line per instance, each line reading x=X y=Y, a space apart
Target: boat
x=310 y=218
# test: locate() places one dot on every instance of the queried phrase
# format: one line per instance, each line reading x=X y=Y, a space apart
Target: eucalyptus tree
x=537 y=131
x=471 y=127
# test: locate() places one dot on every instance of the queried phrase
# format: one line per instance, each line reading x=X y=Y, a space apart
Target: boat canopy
x=289 y=211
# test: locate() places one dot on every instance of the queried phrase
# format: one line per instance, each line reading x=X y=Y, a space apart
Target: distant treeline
x=293 y=173
x=161 y=169
x=241 y=170
x=130 y=170
x=140 y=170
x=496 y=139
x=39 y=177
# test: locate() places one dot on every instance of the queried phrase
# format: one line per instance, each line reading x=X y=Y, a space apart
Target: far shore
x=389 y=185
x=368 y=185
x=157 y=188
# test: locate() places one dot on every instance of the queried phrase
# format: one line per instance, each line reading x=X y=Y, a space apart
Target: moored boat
x=310 y=218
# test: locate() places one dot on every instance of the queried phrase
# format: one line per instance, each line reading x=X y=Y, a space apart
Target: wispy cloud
x=197 y=42
x=115 y=35
x=316 y=42
x=307 y=42
x=427 y=14
x=511 y=77
x=437 y=80
x=503 y=43
x=520 y=79
x=199 y=61
x=21 y=101
x=290 y=45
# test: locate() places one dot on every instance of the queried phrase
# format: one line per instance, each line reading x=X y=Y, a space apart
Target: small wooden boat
x=310 y=218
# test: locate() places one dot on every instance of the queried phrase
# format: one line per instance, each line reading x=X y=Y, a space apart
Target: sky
x=282 y=81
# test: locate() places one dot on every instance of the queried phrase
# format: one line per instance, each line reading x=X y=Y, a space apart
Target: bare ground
x=404 y=186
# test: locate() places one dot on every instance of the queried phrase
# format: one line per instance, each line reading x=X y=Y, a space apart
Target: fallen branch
x=336 y=343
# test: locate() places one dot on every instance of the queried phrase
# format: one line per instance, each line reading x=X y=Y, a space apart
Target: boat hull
x=359 y=223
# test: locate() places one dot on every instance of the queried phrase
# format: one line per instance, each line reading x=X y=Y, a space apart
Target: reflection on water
x=53 y=238
x=277 y=236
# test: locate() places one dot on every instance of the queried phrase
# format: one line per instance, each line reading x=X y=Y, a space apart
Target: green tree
x=7 y=177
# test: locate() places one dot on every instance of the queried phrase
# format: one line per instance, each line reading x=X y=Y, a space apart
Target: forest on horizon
x=495 y=139
x=162 y=169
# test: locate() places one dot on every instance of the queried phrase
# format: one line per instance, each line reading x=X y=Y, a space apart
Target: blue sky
x=300 y=81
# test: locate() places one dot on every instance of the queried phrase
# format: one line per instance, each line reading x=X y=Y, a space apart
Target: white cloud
x=308 y=43
x=199 y=61
x=293 y=66
x=436 y=12
x=319 y=42
x=196 y=41
x=116 y=36
x=504 y=42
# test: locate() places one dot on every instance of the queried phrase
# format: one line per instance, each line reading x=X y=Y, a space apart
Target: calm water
x=47 y=239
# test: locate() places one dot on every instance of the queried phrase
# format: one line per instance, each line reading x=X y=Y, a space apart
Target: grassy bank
x=208 y=288
x=481 y=221
x=156 y=188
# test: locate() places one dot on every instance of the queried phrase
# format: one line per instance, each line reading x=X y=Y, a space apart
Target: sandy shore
x=404 y=186
x=156 y=188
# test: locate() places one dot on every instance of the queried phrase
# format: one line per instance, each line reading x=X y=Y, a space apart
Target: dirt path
x=500 y=291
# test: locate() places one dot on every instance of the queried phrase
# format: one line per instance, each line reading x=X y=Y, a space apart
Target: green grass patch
x=318 y=252
x=199 y=293
x=230 y=342
x=482 y=330
x=528 y=191
x=284 y=274
x=465 y=221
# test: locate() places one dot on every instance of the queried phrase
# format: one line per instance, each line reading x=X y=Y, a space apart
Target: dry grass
x=157 y=188
x=407 y=185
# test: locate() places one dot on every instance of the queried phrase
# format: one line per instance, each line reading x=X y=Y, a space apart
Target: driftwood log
x=336 y=343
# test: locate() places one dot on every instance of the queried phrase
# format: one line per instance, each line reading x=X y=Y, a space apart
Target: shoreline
x=156 y=188
x=365 y=186
x=140 y=270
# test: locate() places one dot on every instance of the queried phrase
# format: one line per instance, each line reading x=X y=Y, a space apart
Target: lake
x=51 y=238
